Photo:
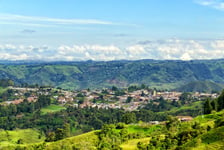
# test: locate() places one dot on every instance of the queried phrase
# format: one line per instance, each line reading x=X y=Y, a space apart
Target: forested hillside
x=201 y=133
x=201 y=86
x=90 y=74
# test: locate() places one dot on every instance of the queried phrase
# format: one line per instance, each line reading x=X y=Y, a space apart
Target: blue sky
x=111 y=29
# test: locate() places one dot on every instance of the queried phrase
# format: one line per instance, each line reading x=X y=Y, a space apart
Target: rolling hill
x=201 y=86
x=164 y=74
x=201 y=133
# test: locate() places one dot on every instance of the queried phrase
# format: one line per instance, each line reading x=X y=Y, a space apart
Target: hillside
x=90 y=74
x=201 y=133
x=201 y=86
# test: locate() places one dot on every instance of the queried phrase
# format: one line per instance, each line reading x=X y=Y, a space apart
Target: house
x=18 y=101
x=32 y=99
x=154 y=122
x=184 y=118
x=61 y=100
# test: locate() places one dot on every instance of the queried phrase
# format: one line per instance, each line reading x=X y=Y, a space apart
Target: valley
x=111 y=118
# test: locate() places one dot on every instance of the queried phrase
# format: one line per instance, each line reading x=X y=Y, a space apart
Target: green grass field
x=86 y=141
x=26 y=136
x=144 y=129
x=132 y=144
x=51 y=109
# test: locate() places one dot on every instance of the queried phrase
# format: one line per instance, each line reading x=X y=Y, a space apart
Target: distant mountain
x=168 y=74
x=201 y=86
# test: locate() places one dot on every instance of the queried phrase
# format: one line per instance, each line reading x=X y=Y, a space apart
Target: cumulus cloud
x=186 y=49
x=172 y=49
x=217 y=4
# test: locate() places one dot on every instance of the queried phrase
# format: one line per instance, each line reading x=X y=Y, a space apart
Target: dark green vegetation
x=187 y=105
x=53 y=128
x=214 y=105
x=79 y=75
x=201 y=86
x=202 y=133
x=53 y=122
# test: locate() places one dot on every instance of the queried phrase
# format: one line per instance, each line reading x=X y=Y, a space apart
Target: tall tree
x=207 y=107
x=220 y=101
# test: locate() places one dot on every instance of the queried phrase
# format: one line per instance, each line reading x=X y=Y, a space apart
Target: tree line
x=214 y=105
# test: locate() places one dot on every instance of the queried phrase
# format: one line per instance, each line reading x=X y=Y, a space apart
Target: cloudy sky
x=72 y=30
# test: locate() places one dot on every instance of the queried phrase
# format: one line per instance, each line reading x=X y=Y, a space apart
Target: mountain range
x=163 y=74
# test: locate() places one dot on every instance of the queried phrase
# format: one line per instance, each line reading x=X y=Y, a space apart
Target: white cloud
x=21 y=18
x=164 y=49
x=217 y=4
x=36 y=21
x=136 y=50
x=185 y=56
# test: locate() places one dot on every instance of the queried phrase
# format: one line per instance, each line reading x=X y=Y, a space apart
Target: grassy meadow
x=20 y=136
x=51 y=109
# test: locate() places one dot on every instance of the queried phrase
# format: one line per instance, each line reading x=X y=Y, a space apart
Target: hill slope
x=90 y=74
x=201 y=133
x=201 y=86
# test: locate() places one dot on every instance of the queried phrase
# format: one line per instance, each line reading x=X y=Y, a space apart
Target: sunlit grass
x=27 y=136
x=132 y=144
x=52 y=109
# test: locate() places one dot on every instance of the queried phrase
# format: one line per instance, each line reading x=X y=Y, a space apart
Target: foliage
x=201 y=86
x=172 y=135
x=83 y=75
x=207 y=107
x=215 y=104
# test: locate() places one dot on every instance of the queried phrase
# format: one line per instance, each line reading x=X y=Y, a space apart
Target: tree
x=141 y=146
x=124 y=134
x=59 y=134
x=44 y=100
x=185 y=97
x=50 y=137
x=220 y=101
x=129 y=117
x=132 y=88
x=80 y=95
x=20 y=141
x=172 y=123
x=67 y=129
x=97 y=123
x=207 y=107
x=143 y=86
x=214 y=104
x=129 y=99
x=142 y=94
x=114 y=88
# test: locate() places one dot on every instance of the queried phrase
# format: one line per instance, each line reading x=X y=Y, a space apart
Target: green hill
x=20 y=136
x=90 y=74
x=87 y=141
x=201 y=86
x=201 y=133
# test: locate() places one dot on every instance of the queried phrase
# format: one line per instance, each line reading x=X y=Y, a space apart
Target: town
x=129 y=99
